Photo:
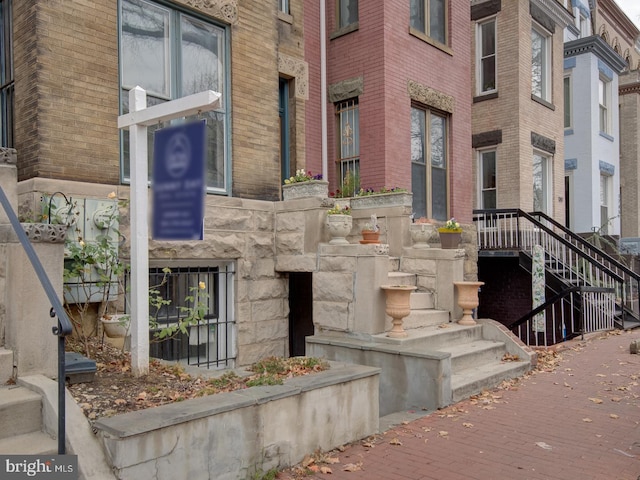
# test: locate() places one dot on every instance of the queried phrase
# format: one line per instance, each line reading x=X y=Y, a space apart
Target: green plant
x=302 y=176
x=451 y=226
x=338 y=210
x=365 y=192
x=268 y=475
x=349 y=186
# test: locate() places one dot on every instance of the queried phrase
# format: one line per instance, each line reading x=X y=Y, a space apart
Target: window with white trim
x=541 y=182
x=604 y=94
x=568 y=102
x=6 y=75
x=283 y=6
x=487 y=179
x=429 y=163
x=430 y=17
x=605 y=201
x=540 y=63
x=171 y=54
x=486 y=56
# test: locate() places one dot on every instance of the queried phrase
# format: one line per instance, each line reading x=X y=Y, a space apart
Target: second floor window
x=568 y=123
x=347 y=12
x=603 y=105
x=283 y=6
x=486 y=56
x=172 y=54
x=430 y=18
x=540 y=64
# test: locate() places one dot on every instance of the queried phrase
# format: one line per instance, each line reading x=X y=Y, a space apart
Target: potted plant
x=304 y=184
x=421 y=230
x=450 y=234
x=371 y=231
x=339 y=223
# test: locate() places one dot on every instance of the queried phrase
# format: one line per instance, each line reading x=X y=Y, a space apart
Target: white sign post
x=137 y=121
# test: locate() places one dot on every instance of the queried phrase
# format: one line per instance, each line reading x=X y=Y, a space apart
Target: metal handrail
x=64 y=326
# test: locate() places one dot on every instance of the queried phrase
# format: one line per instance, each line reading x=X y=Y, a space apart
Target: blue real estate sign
x=178 y=184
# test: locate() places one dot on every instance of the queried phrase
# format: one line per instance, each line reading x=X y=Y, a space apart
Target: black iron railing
x=61 y=330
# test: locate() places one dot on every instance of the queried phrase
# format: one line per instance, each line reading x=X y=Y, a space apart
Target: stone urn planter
x=115 y=326
x=398 y=306
x=468 y=300
x=339 y=226
x=311 y=188
x=421 y=233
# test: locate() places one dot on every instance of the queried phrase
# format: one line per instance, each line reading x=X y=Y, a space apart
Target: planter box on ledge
x=236 y=434
x=312 y=188
x=395 y=199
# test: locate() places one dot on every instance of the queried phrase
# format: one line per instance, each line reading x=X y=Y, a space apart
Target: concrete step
x=470 y=355
x=401 y=278
x=6 y=365
x=20 y=411
x=435 y=338
x=34 y=443
x=421 y=319
x=480 y=377
x=421 y=300
x=394 y=264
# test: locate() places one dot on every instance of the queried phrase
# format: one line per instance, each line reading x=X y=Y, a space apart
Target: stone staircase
x=476 y=361
x=21 y=424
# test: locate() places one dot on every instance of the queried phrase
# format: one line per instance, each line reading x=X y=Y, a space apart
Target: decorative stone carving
x=298 y=69
x=350 y=88
x=8 y=156
x=429 y=96
x=543 y=143
x=225 y=10
x=45 y=233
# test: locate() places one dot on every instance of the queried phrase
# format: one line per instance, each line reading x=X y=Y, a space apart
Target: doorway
x=300 y=311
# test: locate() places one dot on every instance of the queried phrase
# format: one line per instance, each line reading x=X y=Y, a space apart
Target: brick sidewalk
x=580 y=421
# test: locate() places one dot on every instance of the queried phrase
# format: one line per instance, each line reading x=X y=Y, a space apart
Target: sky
x=632 y=9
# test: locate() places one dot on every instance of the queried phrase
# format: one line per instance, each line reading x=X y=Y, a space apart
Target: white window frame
x=545 y=64
x=567 y=90
x=604 y=100
x=546 y=180
x=605 y=202
x=480 y=70
x=482 y=188
x=283 y=6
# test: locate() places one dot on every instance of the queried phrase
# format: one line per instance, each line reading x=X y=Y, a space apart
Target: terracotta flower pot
x=370 y=236
x=450 y=240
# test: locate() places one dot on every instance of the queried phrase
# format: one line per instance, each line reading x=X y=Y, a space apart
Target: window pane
x=417 y=15
x=488 y=34
x=145 y=47
x=437 y=20
x=439 y=193
x=417 y=136
x=538 y=64
x=348 y=12
x=567 y=102
x=488 y=179
x=487 y=56
x=419 y=189
x=489 y=199
x=488 y=73
x=201 y=53
x=539 y=183
x=438 y=145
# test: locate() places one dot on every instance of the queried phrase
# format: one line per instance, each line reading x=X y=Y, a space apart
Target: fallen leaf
x=443 y=433
x=600 y=375
x=368 y=445
x=306 y=461
x=395 y=441
x=613 y=415
x=587 y=420
x=352 y=467
x=544 y=446
x=595 y=400
x=120 y=401
x=467 y=424
x=332 y=460
x=325 y=470
x=314 y=468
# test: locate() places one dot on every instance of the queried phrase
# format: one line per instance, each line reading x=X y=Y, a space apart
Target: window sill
x=485 y=96
x=344 y=30
x=427 y=39
x=543 y=102
x=606 y=136
x=285 y=17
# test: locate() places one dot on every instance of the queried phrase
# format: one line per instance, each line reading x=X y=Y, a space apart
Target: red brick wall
x=503 y=275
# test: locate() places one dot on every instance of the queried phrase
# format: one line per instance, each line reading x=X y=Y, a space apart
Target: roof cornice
x=596 y=45
x=560 y=15
x=629 y=88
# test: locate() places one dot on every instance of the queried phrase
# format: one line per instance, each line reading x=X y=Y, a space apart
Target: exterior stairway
x=476 y=355
x=21 y=425
x=438 y=363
